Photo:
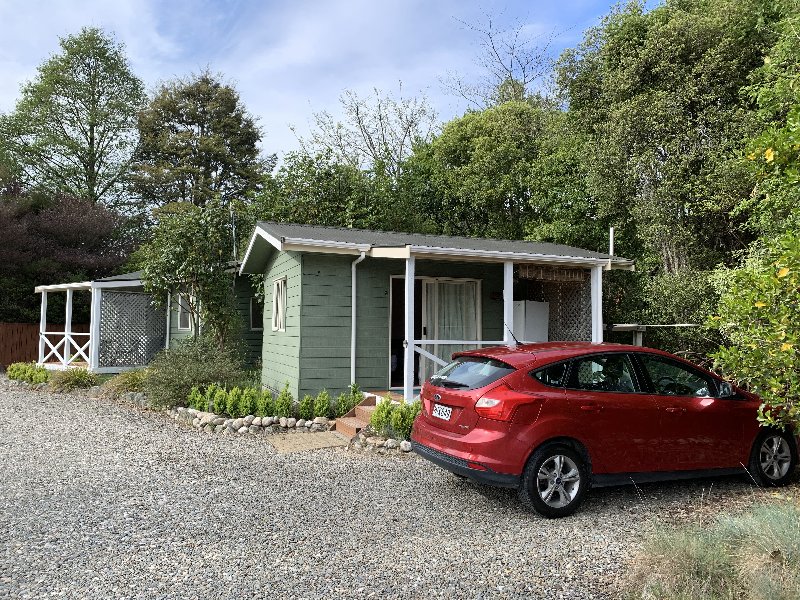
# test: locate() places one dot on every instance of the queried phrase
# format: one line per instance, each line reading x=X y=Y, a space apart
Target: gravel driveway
x=100 y=500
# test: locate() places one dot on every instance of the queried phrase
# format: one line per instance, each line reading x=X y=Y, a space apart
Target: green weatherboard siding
x=281 y=349
x=323 y=356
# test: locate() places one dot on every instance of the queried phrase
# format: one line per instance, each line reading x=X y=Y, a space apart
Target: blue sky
x=287 y=59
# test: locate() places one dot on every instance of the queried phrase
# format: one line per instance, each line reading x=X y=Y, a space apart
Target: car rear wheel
x=773 y=458
x=555 y=481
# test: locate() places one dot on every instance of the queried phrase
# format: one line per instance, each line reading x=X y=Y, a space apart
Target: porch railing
x=441 y=362
x=67 y=350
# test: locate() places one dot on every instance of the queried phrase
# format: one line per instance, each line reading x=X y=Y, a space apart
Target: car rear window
x=554 y=375
x=471 y=372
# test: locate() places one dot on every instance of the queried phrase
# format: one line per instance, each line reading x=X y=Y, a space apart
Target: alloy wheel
x=558 y=481
x=775 y=457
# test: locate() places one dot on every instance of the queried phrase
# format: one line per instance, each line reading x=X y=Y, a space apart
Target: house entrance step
x=349 y=426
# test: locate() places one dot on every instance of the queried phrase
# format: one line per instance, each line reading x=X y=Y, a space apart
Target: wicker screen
x=570 y=310
x=132 y=329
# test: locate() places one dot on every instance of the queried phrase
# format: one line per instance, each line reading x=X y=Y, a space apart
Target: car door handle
x=591 y=408
x=675 y=409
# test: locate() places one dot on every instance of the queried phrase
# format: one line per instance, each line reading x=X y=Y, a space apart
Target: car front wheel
x=773 y=458
x=555 y=481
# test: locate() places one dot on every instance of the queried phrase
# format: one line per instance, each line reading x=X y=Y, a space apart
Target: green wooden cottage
x=340 y=306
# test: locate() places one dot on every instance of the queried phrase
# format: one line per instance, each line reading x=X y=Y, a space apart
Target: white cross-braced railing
x=66 y=345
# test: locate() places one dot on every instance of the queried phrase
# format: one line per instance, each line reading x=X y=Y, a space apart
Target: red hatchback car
x=554 y=419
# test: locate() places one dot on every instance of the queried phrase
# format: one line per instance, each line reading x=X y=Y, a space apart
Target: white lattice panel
x=132 y=329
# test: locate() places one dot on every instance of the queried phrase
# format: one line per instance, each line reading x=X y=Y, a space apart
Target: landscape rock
x=218 y=421
x=237 y=424
x=405 y=446
x=283 y=421
x=255 y=429
x=243 y=429
x=301 y=423
x=248 y=420
x=257 y=422
x=320 y=421
x=391 y=444
x=291 y=422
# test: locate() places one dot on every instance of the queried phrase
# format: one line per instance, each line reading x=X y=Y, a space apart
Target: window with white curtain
x=279 y=304
x=184 y=314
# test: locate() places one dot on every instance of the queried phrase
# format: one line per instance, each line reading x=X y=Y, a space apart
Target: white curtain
x=451 y=313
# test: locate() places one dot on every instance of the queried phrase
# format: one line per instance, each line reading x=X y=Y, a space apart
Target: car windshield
x=470 y=372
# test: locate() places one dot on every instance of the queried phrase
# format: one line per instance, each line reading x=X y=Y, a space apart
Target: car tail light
x=501 y=402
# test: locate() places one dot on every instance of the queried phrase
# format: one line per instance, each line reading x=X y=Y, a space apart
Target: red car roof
x=525 y=354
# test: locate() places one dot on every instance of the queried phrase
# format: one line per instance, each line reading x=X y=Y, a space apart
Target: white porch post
x=42 y=327
x=68 y=329
x=508 y=302
x=94 y=328
x=408 y=375
x=597 y=303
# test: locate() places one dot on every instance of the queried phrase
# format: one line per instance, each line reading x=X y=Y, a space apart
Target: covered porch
x=126 y=329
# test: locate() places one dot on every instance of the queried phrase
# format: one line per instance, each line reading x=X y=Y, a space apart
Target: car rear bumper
x=459 y=466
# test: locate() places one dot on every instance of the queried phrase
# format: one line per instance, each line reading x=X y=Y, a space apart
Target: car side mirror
x=725 y=390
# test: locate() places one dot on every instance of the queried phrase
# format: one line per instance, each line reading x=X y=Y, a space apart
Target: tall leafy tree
x=197 y=142
x=73 y=129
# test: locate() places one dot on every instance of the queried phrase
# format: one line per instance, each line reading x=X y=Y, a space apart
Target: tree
x=197 y=142
x=73 y=130
x=759 y=313
x=190 y=252
x=511 y=63
x=53 y=239
x=377 y=133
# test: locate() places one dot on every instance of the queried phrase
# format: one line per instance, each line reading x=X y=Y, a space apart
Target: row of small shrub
x=240 y=402
x=60 y=381
x=394 y=419
x=27 y=372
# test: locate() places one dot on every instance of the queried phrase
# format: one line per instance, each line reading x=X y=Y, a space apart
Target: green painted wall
x=324 y=353
x=280 y=354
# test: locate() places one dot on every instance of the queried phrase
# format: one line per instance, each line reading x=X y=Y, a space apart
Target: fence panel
x=19 y=342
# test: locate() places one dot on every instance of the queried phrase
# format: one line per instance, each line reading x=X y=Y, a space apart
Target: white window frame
x=279 y=304
x=254 y=299
x=183 y=309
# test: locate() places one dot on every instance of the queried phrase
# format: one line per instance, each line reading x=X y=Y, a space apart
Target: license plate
x=442 y=412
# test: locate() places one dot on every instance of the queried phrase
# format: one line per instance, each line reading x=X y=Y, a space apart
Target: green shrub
x=127 y=381
x=194 y=362
x=349 y=400
x=380 y=419
x=750 y=555
x=306 y=410
x=211 y=392
x=220 y=402
x=264 y=405
x=284 y=402
x=196 y=399
x=402 y=419
x=322 y=404
x=234 y=403
x=28 y=372
x=71 y=379
x=247 y=402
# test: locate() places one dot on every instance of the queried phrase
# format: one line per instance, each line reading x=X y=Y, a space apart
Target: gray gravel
x=100 y=500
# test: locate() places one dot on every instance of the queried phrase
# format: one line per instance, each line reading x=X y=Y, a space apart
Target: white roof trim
x=517 y=256
x=259 y=232
x=117 y=283
x=63 y=287
x=325 y=244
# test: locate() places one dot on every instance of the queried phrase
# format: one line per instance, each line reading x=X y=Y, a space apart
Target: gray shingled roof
x=391 y=239
x=134 y=276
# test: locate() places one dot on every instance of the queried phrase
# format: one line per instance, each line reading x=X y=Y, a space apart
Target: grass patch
x=753 y=555
x=72 y=379
x=127 y=381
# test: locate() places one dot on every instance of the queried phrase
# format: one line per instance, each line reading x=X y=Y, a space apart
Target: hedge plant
x=27 y=372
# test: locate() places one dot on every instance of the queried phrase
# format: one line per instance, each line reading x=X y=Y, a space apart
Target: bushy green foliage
x=27 y=372
x=233 y=402
x=306 y=410
x=71 y=379
x=322 y=404
x=196 y=399
x=284 y=402
x=194 y=362
x=752 y=555
x=209 y=395
x=220 y=403
x=264 y=404
x=394 y=419
x=127 y=381
x=346 y=401
x=759 y=315
x=247 y=402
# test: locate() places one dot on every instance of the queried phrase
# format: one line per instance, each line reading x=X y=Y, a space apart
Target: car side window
x=553 y=376
x=673 y=379
x=604 y=373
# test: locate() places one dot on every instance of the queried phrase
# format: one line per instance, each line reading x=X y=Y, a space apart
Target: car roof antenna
x=516 y=341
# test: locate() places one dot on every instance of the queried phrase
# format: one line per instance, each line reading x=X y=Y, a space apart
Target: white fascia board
x=63 y=287
x=390 y=252
x=324 y=245
x=259 y=232
x=117 y=284
x=496 y=255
